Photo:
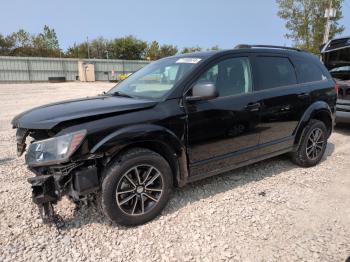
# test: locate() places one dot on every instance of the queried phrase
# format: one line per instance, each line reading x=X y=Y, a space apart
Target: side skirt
x=239 y=159
x=241 y=164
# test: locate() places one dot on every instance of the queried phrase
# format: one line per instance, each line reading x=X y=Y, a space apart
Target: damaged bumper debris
x=44 y=195
x=57 y=172
x=21 y=136
x=73 y=180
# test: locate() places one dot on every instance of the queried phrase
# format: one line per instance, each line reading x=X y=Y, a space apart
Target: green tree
x=22 y=43
x=7 y=44
x=167 y=50
x=46 y=43
x=77 y=51
x=153 y=52
x=214 y=48
x=99 y=47
x=186 y=50
x=128 y=47
x=306 y=23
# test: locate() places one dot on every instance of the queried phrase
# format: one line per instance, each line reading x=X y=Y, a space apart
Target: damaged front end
x=76 y=180
x=58 y=172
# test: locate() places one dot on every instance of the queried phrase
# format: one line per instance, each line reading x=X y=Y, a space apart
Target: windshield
x=156 y=79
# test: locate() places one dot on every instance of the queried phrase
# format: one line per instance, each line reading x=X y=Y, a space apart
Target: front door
x=223 y=131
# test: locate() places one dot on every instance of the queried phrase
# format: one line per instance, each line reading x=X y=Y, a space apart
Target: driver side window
x=231 y=76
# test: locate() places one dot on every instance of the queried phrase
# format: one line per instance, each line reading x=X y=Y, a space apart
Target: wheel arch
x=152 y=137
x=319 y=110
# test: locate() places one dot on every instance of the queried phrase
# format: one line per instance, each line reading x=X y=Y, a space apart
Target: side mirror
x=203 y=91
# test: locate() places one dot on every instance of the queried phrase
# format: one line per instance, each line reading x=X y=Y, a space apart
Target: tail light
x=337 y=87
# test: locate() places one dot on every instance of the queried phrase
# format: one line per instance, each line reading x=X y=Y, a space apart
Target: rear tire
x=313 y=144
x=136 y=187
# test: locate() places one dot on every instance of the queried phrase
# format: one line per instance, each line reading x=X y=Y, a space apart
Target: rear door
x=283 y=101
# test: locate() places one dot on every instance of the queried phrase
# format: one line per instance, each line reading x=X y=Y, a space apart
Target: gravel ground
x=270 y=211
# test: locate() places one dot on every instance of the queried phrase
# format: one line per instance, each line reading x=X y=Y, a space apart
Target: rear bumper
x=343 y=111
x=343 y=117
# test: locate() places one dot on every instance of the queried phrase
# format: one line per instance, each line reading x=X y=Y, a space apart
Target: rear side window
x=308 y=71
x=274 y=72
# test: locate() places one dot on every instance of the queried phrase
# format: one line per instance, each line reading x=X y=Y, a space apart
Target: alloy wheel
x=139 y=190
x=315 y=144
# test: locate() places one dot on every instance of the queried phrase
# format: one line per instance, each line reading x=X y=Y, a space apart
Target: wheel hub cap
x=139 y=189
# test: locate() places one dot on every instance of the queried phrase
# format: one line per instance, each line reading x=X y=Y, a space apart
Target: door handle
x=303 y=95
x=253 y=107
x=285 y=108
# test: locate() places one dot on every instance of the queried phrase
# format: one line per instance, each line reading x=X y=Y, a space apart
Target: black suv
x=177 y=120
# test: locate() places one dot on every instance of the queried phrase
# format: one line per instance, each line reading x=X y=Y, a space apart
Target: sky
x=203 y=23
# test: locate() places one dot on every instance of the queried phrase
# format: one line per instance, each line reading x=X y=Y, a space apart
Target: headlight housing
x=54 y=150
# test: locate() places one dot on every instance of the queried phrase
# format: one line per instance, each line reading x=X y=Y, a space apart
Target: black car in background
x=175 y=121
x=336 y=57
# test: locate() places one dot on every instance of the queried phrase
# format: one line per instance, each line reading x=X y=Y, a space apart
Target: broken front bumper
x=43 y=189
x=48 y=189
x=44 y=194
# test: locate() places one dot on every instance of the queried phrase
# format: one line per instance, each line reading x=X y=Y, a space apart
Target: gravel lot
x=271 y=211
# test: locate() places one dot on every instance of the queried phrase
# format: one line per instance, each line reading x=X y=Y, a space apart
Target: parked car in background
x=336 y=57
x=175 y=121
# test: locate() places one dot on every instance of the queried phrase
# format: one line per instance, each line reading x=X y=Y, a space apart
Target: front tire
x=312 y=145
x=136 y=187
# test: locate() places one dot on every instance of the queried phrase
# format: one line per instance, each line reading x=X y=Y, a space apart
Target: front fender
x=313 y=110
x=138 y=133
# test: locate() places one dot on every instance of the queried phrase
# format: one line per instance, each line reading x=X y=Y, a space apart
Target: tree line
x=46 y=44
x=304 y=21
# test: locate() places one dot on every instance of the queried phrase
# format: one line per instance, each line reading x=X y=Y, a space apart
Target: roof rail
x=268 y=46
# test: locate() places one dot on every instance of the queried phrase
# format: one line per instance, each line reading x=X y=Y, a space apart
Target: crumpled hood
x=48 y=116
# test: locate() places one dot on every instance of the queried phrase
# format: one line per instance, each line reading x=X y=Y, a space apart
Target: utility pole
x=330 y=13
x=88 y=46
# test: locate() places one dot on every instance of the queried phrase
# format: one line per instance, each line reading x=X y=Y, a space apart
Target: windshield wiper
x=117 y=93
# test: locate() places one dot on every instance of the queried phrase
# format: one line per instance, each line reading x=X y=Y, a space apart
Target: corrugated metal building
x=33 y=69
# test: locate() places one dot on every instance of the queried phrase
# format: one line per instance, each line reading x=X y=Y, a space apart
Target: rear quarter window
x=274 y=72
x=308 y=71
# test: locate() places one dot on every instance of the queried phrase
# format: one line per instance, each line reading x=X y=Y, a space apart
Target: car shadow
x=86 y=215
x=212 y=186
x=329 y=151
x=5 y=160
x=201 y=190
